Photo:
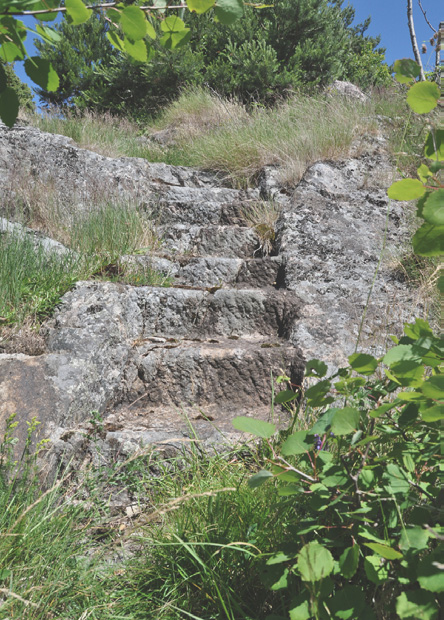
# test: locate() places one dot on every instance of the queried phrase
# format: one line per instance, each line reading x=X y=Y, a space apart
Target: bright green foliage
x=365 y=482
x=261 y=56
x=429 y=238
x=75 y=57
x=124 y=18
x=9 y=79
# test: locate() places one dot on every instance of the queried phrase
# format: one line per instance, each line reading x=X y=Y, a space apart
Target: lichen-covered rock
x=168 y=366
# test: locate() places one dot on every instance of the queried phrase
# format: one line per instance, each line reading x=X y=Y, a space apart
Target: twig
x=425 y=17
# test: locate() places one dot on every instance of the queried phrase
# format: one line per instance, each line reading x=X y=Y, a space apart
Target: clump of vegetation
x=104 y=133
x=199 y=111
x=33 y=277
x=262 y=216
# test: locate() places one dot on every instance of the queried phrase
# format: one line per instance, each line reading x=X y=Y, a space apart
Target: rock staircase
x=167 y=365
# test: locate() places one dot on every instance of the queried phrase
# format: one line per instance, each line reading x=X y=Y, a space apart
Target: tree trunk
x=413 y=38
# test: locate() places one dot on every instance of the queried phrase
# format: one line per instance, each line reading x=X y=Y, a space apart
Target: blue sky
x=388 y=19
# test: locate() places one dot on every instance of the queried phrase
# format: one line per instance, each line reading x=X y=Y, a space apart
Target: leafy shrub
x=249 y=70
x=364 y=537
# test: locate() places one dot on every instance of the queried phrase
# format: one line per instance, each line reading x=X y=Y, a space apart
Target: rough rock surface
x=154 y=362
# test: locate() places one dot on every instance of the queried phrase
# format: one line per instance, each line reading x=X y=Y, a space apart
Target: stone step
x=95 y=312
x=216 y=371
x=227 y=241
x=203 y=207
x=210 y=271
x=198 y=312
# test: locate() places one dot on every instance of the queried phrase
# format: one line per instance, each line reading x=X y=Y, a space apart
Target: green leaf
x=433 y=414
x=200 y=6
x=300 y=608
x=345 y=421
x=423 y=97
x=423 y=173
x=407 y=189
x=49 y=34
x=414 y=538
x=315 y=368
x=409 y=372
x=430 y=571
x=113 y=15
x=173 y=23
x=3 y=79
x=229 y=11
x=416 y=605
x=289 y=489
x=133 y=23
x=316 y=393
x=434 y=387
x=258 y=479
x=259 y=428
x=77 y=12
x=384 y=551
x=324 y=422
x=315 y=562
x=285 y=396
x=115 y=40
x=9 y=106
x=296 y=444
x=363 y=363
x=432 y=140
x=401 y=353
x=420 y=328
x=375 y=569
x=173 y=40
x=433 y=210
x=281 y=557
x=348 y=561
x=408 y=462
x=429 y=240
x=47 y=4
x=150 y=30
x=274 y=577
x=9 y=52
x=136 y=49
x=377 y=413
x=397 y=479
x=406 y=70
x=348 y=603
x=42 y=73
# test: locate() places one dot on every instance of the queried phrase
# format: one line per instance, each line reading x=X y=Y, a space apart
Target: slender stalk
x=413 y=39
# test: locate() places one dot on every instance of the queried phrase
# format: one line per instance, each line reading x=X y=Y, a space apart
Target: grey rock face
x=48 y=246
x=154 y=360
x=347 y=89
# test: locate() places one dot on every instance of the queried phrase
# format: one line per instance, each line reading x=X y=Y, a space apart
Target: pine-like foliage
x=293 y=44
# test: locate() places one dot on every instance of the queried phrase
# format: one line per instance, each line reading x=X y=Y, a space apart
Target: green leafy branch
x=132 y=29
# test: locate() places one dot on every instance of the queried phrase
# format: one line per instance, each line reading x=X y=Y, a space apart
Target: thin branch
x=94 y=7
x=413 y=39
x=425 y=16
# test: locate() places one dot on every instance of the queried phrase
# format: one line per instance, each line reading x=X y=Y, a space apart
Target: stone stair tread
x=222 y=371
x=210 y=240
x=200 y=206
x=181 y=427
x=224 y=312
x=209 y=271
